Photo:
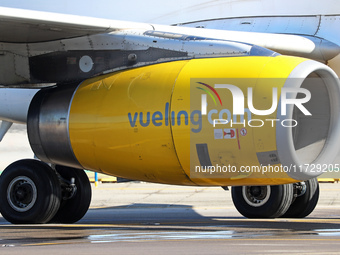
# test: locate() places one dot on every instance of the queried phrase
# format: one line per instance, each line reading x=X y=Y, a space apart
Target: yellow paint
x=106 y=138
x=243 y=73
x=102 y=137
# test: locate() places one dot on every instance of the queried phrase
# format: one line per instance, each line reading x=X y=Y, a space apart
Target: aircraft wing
x=26 y=26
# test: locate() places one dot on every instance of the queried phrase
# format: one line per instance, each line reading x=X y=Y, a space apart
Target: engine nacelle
x=174 y=123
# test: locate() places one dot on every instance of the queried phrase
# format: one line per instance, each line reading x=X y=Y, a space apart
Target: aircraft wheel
x=76 y=196
x=29 y=192
x=262 y=201
x=307 y=198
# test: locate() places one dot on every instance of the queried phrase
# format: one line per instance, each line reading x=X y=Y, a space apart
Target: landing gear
x=262 y=201
x=31 y=192
x=76 y=195
x=306 y=198
x=288 y=201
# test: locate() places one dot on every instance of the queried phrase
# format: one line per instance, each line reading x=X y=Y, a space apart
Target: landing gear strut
x=306 y=196
x=76 y=196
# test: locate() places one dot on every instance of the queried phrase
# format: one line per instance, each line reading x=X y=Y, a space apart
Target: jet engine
x=180 y=122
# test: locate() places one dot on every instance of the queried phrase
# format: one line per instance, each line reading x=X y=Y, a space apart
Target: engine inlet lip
x=284 y=136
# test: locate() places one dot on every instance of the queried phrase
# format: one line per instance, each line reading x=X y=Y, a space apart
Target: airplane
x=251 y=102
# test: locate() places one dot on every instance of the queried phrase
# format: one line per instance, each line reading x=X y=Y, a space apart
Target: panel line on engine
x=203 y=154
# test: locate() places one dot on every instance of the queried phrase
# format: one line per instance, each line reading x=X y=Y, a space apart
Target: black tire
x=303 y=205
x=29 y=192
x=262 y=201
x=73 y=209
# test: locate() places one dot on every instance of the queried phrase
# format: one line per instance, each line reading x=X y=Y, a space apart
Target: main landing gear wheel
x=29 y=192
x=262 y=201
x=76 y=195
x=307 y=196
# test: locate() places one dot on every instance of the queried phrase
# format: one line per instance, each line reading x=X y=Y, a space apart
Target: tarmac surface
x=143 y=218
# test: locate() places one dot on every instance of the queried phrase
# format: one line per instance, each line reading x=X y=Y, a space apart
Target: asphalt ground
x=143 y=218
x=140 y=218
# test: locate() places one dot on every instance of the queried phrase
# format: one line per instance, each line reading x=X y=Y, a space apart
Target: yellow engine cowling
x=147 y=123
